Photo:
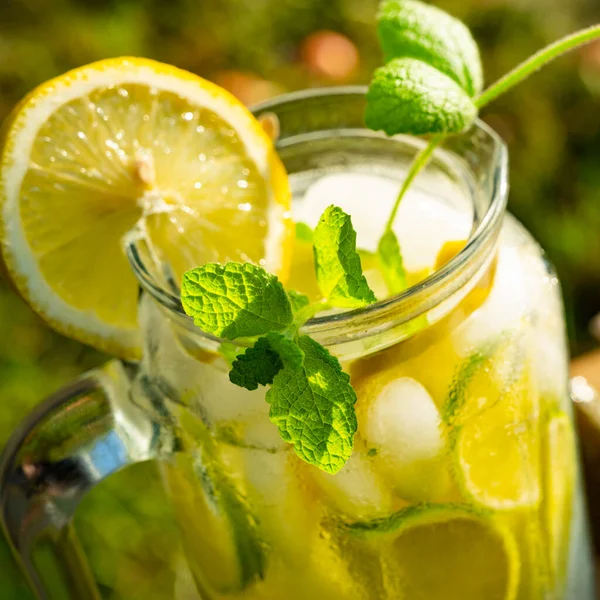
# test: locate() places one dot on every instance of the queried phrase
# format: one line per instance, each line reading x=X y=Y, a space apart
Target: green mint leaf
x=256 y=366
x=235 y=300
x=297 y=300
x=287 y=349
x=412 y=29
x=391 y=263
x=304 y=233
x=313 y=407
x=337 y=263
x=410 y=96
x=259 y=365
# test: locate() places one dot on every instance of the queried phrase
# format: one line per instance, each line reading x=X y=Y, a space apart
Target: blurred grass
x=551 y=125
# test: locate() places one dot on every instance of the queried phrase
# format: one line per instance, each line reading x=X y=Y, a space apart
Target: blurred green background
x=257 y=49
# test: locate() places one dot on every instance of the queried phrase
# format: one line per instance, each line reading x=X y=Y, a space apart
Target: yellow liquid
x=463 y=483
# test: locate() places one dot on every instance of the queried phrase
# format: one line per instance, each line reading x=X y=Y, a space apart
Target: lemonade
x=463 y=482
x=374 y=408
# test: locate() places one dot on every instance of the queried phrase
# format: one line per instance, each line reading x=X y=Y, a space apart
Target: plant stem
x=418 y=163
x=535 y=62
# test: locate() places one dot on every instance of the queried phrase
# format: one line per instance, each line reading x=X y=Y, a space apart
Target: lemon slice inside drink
x=497 y=455
x=127 y=143
x=219 y=533
x=449 y=551
x=492 y=418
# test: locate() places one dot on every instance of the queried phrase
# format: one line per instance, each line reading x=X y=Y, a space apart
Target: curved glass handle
x=72 y=441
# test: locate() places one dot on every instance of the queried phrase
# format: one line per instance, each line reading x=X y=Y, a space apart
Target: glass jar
x=464 y=481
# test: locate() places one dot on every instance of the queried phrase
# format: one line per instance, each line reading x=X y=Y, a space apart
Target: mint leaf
x=337 y=263
x=256 y=366
x=287 y=349
x=259 y=365
x=304 y=233
x=313 y=407
x=297 y=300
x=235 y=300
x=412 y=29
x=410 y=96
x=391 y=263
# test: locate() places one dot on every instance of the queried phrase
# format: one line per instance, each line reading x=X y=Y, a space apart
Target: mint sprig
x=311 y=398
x=407 y=101
x=431 y=84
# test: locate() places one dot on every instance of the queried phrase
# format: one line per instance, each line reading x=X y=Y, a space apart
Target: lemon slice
x=123 y=143
x=449 y=551
x=559 y=471
x=495 y=440
x=219 y=532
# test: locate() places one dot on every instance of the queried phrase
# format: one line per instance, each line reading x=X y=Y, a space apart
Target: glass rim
x=350 y=324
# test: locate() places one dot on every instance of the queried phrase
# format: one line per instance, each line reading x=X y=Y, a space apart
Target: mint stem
x=418 y=163
x=535 y=62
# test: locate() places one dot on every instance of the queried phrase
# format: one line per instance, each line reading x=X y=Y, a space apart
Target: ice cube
x=368 y=199
x=423 y=224
x=357 y=490
x=289 y=521
x=403 y=426
x=511 y=298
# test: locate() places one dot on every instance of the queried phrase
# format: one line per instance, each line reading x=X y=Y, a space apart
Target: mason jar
x=464 y=480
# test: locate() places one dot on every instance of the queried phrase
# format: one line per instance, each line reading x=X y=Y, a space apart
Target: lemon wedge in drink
x=131 y=143
x=449 y=551
x=494 y=436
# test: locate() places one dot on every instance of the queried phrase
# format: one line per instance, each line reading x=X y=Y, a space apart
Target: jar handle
x=76 y=438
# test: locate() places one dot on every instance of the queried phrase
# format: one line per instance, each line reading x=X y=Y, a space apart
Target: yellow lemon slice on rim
x=127 y=143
